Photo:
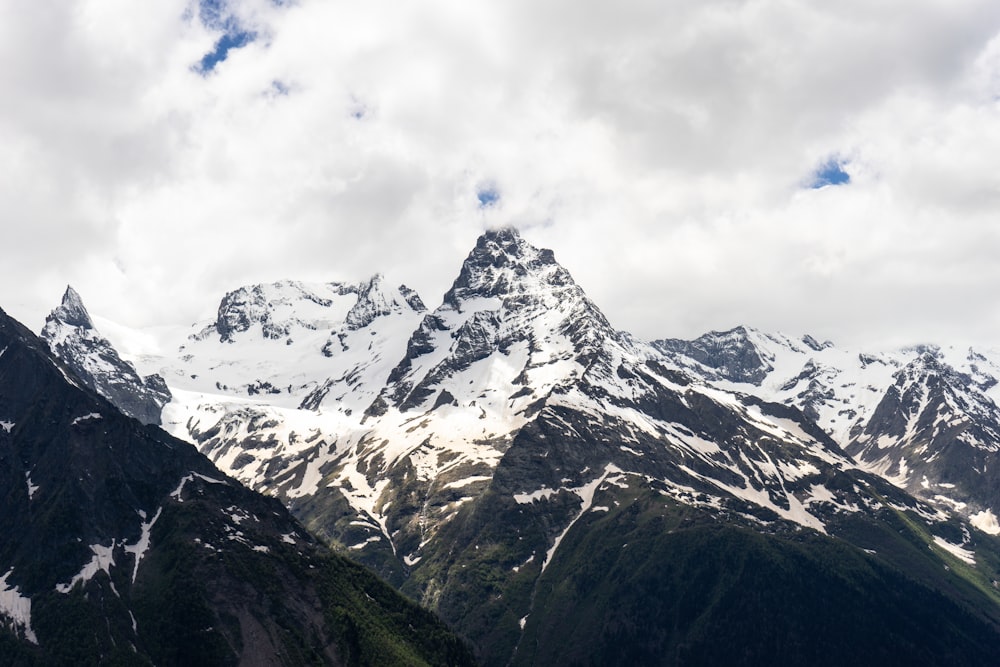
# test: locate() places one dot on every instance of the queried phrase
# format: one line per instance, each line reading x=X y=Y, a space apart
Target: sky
x=830 y=168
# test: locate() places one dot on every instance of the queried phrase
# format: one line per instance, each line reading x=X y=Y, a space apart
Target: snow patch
x=820 y=494
x=87 y=417
x=956 y=550
x=796 y=510
x=141 y=546
x=586 y=494
x=31 y=487
x=902 y=476
x=236 y=515
x=528 y=498
x=103 y=559
x=467 y=481
x=986 y=521
x=176 y=493
x=957 y=505
x=16 y=607
x=362 y=545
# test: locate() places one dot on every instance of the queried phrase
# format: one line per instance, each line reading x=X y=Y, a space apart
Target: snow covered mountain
x=483 y=454
x=71 y=335
x=936 y=432
x=924 y=417
x=122 y=545
x=406 y=444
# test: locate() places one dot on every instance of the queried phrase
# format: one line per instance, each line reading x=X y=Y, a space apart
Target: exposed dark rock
x=731 y=353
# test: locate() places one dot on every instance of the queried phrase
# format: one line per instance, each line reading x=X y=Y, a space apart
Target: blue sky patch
x=216 y=15
x=830 y=172
x=487 y=196
x=226 y=43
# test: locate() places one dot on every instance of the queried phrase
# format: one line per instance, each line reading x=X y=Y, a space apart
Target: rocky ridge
x=923 y=417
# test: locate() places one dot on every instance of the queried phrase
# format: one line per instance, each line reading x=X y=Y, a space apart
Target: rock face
x=281 y=308
x=732 y=354
x=562 y=493
x=122 y=545
x=923 y=417
x=71 y=335
x=937 y=434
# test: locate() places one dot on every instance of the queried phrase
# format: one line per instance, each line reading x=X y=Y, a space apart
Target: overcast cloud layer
x=665 y=150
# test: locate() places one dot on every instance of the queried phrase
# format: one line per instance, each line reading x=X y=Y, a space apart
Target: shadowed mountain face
x=122 y=545
x=562 y=493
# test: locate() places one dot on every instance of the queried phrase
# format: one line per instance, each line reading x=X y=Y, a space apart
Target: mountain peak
x=376 y=298
x=506 y=242
x=507 y=235
x=503 y=263
x=72 y=311
x=732 y=354
x=72 y=336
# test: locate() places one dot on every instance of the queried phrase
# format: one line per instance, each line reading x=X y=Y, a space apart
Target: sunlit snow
x=956 y=550
x=986 y=521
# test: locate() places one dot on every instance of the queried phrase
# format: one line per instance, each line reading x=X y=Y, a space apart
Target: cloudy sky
x=804 y=166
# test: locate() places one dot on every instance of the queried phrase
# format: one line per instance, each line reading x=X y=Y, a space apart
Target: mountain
x=923 y=417
x=71 y=335
x=122 y=545
x=562 y=493
x=936 y=432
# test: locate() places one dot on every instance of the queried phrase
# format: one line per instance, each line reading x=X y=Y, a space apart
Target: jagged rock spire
x=500 y=259
x=72 y=311
x=71 y=335
x=376 y=299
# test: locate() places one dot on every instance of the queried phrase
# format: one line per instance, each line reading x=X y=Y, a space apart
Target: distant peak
x=732 y=353
x=815 y=344
x=72 y=311
x=376 y=282
x=412 y=298
x=739 y=330
x=376 y=299
x=738 y=334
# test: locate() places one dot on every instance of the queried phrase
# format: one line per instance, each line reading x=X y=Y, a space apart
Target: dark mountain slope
x=648 y=585
x=122 y=545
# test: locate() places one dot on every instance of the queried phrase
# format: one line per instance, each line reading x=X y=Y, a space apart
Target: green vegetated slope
x=644 y=586
x=649 y=581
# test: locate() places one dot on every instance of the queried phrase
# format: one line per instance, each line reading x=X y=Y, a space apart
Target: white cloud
x=659 y=148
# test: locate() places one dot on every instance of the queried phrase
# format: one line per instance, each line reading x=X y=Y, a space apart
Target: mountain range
x=120 y=544
x=560 y=492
